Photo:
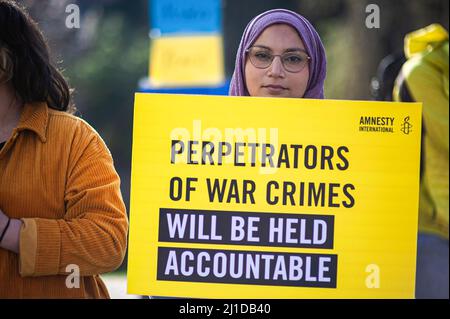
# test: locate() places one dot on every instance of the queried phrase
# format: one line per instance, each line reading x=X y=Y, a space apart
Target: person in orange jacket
x=61 y=209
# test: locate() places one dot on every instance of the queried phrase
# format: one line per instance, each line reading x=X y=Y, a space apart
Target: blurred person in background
x=280 y=55
x=61 y=209
x=424 y=78
x=382 y=84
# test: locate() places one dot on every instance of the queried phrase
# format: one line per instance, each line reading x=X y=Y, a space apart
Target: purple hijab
x=309 y=36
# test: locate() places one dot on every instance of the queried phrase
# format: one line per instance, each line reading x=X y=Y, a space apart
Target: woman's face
x=275 y=80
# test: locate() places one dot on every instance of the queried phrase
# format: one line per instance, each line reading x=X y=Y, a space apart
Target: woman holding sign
x=280 y=55
x=62 y=217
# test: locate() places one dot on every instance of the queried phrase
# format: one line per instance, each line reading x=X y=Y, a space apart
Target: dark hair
x=382 y=85
x=25 y=60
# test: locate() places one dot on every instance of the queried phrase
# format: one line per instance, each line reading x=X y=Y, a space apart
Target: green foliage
x=339 y=58
x=105 y=78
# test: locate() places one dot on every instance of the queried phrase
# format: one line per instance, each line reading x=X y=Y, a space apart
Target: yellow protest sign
x=243 y=197
x=186 y=61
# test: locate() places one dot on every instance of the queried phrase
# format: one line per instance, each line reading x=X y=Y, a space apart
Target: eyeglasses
x=262 y=58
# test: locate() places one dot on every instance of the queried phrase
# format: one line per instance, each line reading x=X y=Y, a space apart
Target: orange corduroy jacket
x=58 y=177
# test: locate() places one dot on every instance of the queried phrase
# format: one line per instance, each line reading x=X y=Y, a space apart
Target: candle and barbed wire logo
x=406 y=127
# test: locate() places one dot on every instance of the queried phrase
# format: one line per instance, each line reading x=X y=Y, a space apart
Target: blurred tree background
x=107 y=56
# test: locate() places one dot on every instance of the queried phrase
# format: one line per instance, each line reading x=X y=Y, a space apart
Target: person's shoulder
x=432 y=60
x=60 y=122
x=68 y=129
x=65 y=128
x=418 y=68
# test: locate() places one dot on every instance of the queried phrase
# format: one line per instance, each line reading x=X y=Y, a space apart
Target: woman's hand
x=10 y=230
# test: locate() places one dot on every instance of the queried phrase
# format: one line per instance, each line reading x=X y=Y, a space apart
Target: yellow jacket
x=426 y=76
x=57 y=176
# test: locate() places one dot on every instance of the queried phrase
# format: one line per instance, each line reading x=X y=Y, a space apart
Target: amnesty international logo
x=378 y=124
x=406 y=127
